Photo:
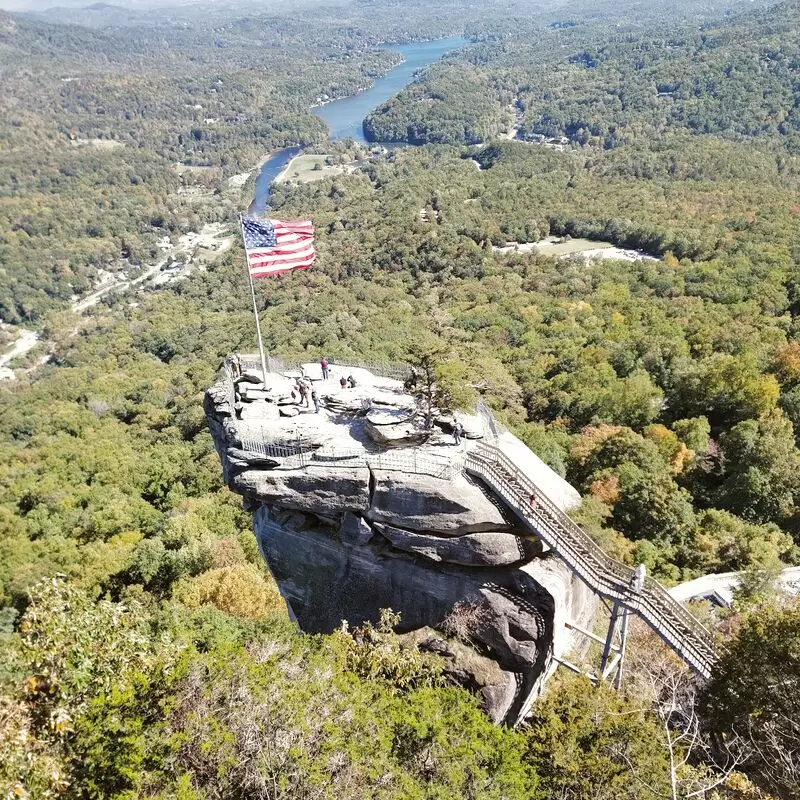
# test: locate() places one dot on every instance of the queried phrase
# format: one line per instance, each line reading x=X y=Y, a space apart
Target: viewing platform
x=377 y=422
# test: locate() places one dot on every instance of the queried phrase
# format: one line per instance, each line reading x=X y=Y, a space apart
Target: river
x=345 y=117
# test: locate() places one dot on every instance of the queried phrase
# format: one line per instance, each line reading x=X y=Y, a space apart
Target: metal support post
x=623 y=635
x=608 y=647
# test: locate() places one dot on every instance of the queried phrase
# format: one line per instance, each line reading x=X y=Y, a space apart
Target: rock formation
x=349 y=526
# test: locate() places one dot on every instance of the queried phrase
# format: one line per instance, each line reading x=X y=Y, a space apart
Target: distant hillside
x=604 y=85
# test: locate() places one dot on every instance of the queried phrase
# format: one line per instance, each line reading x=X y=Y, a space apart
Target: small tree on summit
x=422 y=381
x=437 y=381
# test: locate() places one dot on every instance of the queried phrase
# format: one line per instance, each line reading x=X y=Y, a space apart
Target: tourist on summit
x=351 y=381
x=343 y=382
x=323 y=362
x=458 y=430
x=302 y=387
x=315 y=400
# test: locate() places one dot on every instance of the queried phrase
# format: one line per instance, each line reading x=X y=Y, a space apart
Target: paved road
x=720 y=587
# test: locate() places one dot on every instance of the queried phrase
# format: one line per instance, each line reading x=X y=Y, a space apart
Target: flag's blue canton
x=258 y=233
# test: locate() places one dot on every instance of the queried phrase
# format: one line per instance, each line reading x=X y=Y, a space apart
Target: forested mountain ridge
x=605 y=86
x=147 y=650
x=95 y=183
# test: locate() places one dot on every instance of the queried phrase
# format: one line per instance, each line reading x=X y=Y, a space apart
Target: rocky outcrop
x=467 y=668
x=330 y=490
x=399 y=434
x=353 y=515
x=326 y=579
x=469 y=550
x=424 y=503
x=354 y=529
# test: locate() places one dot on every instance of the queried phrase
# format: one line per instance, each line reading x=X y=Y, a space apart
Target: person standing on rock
x=458 y=432
x=302 y=387
x=324 y=364
x=343 y=382
x=315 y=400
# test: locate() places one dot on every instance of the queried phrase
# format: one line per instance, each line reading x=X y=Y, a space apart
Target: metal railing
x=299 y=456
x=609 y=578
x=280 y=364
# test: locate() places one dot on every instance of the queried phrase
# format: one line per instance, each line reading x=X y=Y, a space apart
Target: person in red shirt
x=324 y=364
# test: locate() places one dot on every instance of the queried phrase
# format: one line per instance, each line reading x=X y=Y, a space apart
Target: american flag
x=274 y=246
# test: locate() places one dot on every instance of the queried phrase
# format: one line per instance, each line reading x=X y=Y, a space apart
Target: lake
x=345 y=117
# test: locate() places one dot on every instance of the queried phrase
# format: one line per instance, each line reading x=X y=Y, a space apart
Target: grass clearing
x=309 y=167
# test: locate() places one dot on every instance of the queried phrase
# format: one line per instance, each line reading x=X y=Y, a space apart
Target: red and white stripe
x=295 y=249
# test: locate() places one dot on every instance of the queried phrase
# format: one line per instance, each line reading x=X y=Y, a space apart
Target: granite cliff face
x=348 y=529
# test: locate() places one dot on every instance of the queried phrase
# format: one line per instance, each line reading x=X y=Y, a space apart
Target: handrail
x=606 y=576
x=304 y=455
x=398 y=371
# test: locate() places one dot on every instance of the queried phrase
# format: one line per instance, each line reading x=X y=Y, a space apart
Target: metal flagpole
x=255 y=307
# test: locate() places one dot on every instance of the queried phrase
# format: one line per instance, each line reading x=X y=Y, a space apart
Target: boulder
x=354 y=530
x=434 y=505
x=249 y=460
x=218 y=401
x=472 y=428
x=333 y=490
x=470 y=670
x=404 y=434
x=445 y=544
x=288 y=411
x=389 y=416
x=248 y=377
x=259 y=412
x=490 y=549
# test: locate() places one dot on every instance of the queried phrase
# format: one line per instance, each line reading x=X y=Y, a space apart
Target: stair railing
x=607 y=577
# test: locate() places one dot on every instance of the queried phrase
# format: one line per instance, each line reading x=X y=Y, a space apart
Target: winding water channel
x=345 y=117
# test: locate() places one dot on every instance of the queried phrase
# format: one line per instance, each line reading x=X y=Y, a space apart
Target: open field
x=309 y=167
x=554 y=246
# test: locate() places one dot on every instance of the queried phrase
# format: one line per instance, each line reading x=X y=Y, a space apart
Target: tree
x=287 y=719
x=631 y=474
x=587 y=741
x=698 y=765
x=424 y=360
x=723 y=542
x=91 y=673
x=753 y=692
x=761 y=468
x=241 y=590
x=724 y=388
x=438 y=382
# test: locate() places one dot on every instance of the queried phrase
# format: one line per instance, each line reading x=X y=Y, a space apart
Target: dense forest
x=148 y=651
x=617 y=82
